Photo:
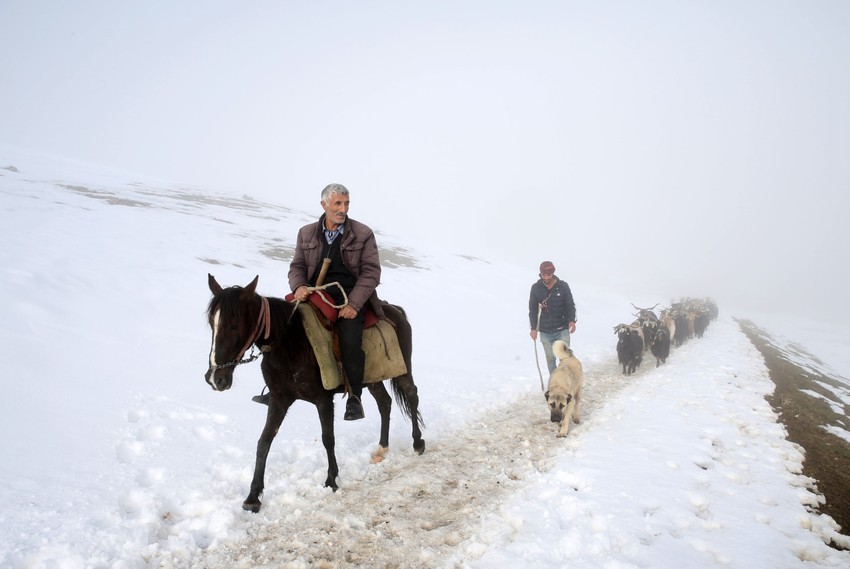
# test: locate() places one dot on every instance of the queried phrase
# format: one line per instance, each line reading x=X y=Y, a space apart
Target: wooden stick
x=536 y=357
x=326 y=263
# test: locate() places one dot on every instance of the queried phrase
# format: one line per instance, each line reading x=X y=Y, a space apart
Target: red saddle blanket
x=329 y=312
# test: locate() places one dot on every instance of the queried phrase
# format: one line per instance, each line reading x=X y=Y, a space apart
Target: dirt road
x=827 y=456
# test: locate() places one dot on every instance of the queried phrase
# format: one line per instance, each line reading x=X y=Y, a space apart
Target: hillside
x=118 y=454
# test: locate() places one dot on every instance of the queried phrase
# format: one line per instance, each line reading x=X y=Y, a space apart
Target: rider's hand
x=347 y=312
x=301 y=293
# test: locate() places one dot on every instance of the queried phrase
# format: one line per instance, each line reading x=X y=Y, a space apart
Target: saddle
x=384 y=359
x=323 y=302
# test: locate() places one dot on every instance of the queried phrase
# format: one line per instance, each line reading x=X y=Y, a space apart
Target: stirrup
x=262 y=398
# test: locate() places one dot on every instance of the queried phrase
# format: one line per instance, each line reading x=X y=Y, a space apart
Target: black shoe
x=262 y=399
x=353 y=409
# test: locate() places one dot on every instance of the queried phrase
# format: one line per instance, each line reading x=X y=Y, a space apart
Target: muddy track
x=414 y=511
x=827 y=456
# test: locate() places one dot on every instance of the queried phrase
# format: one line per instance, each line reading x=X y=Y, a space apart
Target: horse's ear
x=215 y=288
x=251 y=288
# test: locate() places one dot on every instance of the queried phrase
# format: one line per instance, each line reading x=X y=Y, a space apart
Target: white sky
x=700 y=145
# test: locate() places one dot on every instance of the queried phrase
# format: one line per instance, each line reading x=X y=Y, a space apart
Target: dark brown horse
x=240 y=318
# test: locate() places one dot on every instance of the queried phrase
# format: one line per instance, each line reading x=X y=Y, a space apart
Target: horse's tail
x=404 y=389
x=400 y=391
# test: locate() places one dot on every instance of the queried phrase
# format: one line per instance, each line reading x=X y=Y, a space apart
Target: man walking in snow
x=551 y=300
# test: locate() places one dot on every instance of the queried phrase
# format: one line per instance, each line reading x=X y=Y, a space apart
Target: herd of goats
x=676 y=325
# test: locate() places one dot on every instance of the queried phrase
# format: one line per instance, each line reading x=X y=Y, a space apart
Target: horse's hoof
x=252 y=506
x=419 y=447
x=378 y=455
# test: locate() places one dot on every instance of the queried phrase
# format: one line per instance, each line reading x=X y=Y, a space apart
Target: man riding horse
x=352 y=251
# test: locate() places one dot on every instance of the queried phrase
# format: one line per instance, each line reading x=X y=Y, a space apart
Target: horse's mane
x=282 y=313
x=226 y=302
x=230 y=306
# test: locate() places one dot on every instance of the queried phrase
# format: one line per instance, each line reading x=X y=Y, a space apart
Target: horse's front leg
x=385 y=405
x=325 y=408
x=277 y=411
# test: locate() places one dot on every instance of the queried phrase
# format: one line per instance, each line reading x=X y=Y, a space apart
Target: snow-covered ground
x=116 y=453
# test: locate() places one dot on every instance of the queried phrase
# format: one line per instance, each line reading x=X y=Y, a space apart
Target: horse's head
x=232 y=314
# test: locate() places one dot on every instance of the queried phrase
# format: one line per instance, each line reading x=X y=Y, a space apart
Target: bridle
x=263 y=326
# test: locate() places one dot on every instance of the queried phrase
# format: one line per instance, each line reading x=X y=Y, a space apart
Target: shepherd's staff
x=536 y=357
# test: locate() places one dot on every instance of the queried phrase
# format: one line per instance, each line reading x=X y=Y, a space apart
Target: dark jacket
x=558 y=310
x=359 y=255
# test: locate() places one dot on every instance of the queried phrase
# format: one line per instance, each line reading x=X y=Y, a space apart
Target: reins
x=263 y=326
x=312 y=289
x=262 y=329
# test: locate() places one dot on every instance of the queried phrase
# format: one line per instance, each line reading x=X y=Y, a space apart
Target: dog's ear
x=546 y=396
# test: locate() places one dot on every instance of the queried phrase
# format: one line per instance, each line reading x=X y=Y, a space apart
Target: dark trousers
x=351 y=350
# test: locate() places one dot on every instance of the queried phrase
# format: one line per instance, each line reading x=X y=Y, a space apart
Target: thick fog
x=687 y=148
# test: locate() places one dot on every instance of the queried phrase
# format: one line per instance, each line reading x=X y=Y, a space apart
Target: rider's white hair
x=333 y=189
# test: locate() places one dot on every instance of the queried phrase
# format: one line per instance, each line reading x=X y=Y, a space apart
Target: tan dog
x=564 y=393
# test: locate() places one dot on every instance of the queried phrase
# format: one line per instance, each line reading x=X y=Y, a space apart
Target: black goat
x=660 y=345
x=629 y=347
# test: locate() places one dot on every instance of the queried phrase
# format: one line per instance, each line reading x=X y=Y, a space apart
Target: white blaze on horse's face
x=215 y=325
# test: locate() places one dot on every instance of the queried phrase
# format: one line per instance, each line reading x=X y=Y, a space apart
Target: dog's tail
x=561 y=350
